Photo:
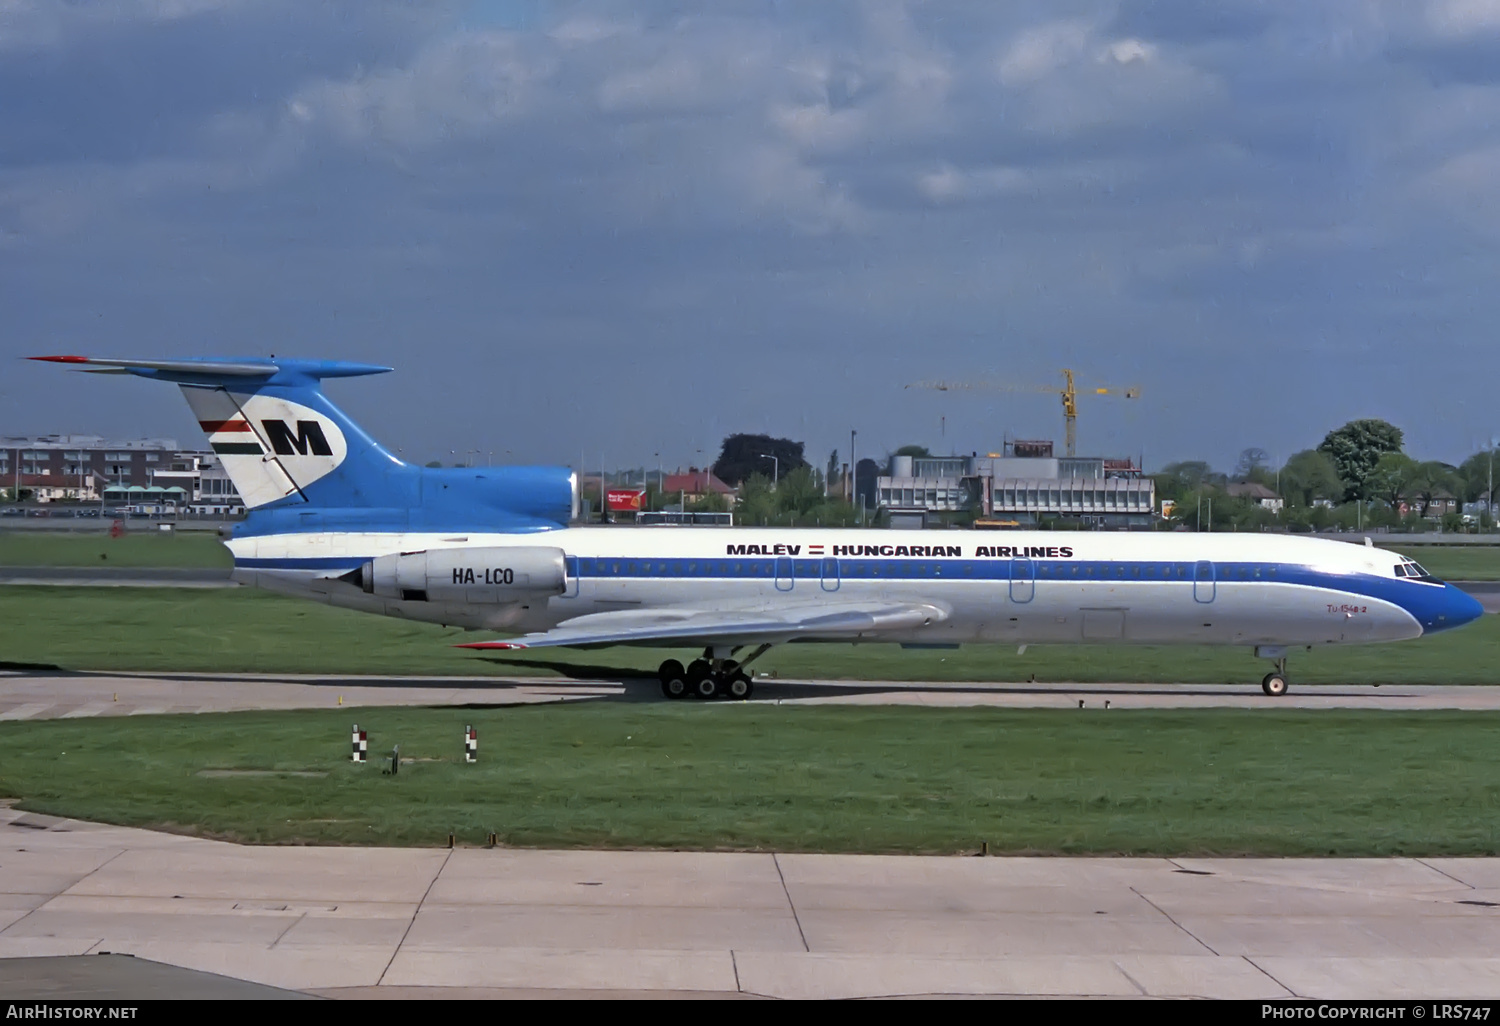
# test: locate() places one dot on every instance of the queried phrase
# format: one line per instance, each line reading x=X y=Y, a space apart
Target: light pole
x=1489 y=495
x=853 y=473
x=775 y=469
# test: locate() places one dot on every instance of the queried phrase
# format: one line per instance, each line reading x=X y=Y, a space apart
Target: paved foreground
x=368 y=922
x=54 y=695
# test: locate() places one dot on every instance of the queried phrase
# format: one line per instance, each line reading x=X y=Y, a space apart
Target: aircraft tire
x=707 y=687
x=740 y=687
x=669 y=670
x=675 y=687
x=698 y=671
x=1274 y=685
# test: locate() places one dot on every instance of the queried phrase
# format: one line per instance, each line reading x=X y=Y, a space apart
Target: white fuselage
x=997 y=587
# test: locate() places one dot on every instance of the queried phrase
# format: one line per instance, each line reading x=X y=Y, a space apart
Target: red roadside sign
x=625 y=500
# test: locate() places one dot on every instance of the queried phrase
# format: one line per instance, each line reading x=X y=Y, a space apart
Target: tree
x=1476 y=473
x=1433 y=479
x=1356 y=448
x=1251 y=460
x=919 y=451
x=1176 y=480
x=1392 y=477
x=1310 y=475
x=757 y=502
x=833 y=470
x=743 y=455
x=710 y=502
x=799 y=492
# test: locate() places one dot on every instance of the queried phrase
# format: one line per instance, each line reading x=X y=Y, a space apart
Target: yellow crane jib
x=1068 y=392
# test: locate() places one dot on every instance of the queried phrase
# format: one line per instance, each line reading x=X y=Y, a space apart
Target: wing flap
x=728 y=627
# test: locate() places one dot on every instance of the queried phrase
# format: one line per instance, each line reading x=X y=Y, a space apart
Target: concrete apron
x=369 y=922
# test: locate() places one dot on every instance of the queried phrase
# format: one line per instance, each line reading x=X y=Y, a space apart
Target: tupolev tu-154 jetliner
x=334 y=517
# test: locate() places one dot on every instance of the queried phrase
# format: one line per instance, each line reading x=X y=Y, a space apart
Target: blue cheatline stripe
x=854 y=569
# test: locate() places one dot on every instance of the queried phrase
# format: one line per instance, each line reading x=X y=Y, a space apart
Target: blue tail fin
x=297 y=459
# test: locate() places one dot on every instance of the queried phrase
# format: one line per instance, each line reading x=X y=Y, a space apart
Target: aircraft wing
x=687 y=626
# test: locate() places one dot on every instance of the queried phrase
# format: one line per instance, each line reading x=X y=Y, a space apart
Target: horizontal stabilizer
x=210 y=369
x=234 y=368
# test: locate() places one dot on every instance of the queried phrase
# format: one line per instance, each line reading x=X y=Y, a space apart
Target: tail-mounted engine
x=474 y=575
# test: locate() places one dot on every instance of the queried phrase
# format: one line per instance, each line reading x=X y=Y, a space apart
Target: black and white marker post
x=471 y=744
x=361 y=745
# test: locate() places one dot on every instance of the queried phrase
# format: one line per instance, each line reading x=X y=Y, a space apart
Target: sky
x=617 y=232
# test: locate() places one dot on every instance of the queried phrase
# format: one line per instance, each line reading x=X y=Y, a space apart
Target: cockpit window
x=1412 y=569
x=1400 y=569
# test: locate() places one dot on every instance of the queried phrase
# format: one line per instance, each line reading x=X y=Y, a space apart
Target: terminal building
x=147 y=475
x=1023 y=486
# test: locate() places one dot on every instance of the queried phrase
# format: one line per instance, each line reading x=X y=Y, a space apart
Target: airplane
x=332 y=516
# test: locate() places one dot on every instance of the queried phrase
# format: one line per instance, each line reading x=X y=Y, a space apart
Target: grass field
x=754 y=777
x=248 y=631
x=135 y=548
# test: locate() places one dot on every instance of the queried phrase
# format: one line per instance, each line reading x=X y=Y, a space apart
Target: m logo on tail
x=272 y=445
x=309 y=439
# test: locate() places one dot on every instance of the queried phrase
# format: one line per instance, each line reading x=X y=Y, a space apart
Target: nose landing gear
x=1276 y=682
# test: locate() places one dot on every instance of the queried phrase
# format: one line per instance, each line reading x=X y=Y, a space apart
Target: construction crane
x=1068 y=392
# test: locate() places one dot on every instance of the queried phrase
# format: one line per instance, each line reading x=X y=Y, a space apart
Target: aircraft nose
x=1455 y=608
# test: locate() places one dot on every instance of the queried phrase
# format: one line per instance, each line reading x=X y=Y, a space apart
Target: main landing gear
x=713 y=676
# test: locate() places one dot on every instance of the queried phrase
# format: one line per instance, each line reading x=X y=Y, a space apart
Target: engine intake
x=474 y=575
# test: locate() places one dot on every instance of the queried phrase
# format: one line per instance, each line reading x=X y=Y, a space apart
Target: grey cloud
x=121 y=89
x=642 y=226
